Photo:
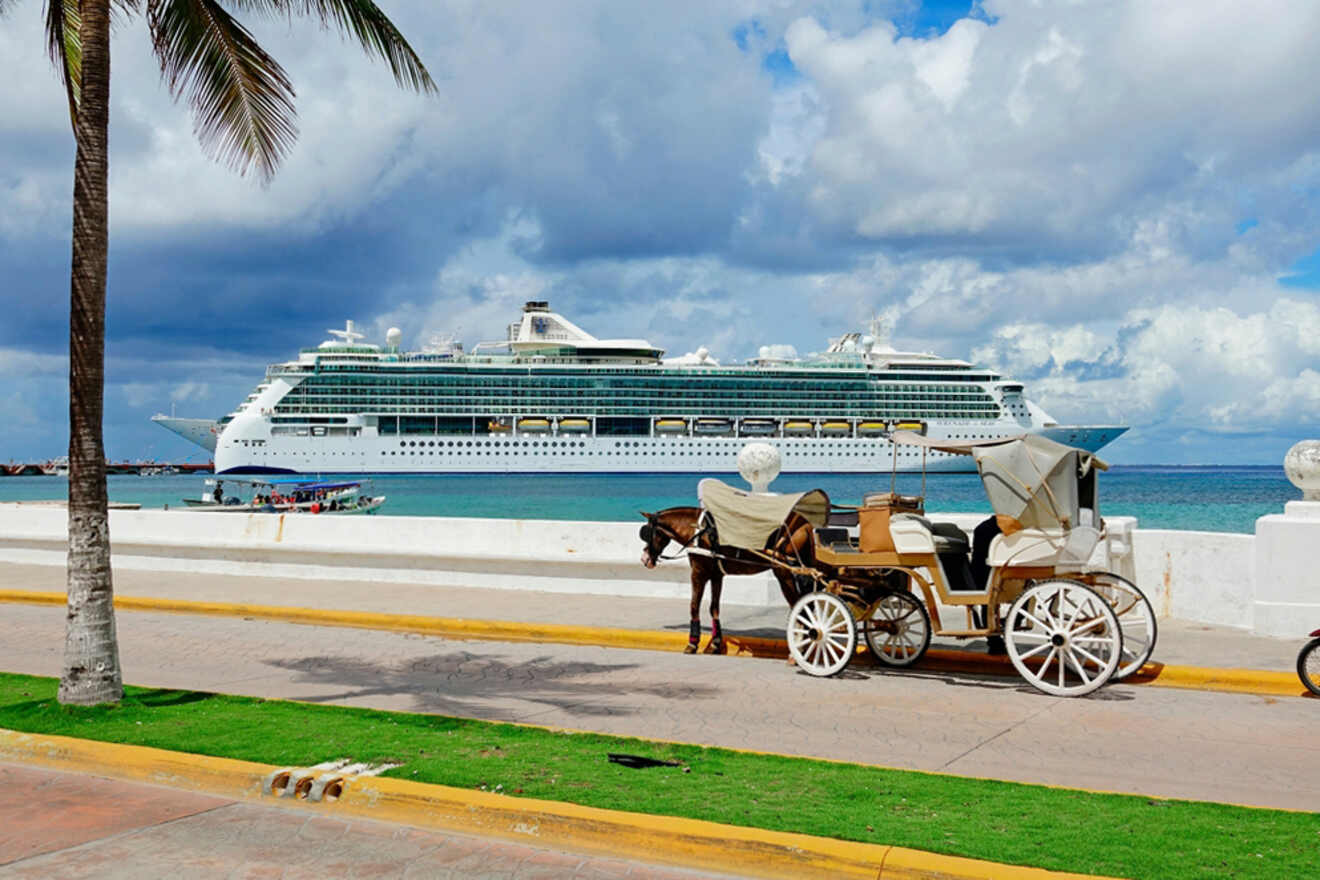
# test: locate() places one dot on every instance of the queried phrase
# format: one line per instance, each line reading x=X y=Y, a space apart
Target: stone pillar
x=1287 y=553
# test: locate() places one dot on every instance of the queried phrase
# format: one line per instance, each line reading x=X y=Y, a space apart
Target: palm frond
x=64 y=44
x=241 y=98
x=363 y=20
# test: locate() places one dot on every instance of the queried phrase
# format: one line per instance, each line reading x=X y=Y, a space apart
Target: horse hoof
x=716 y=648
x=690 y=649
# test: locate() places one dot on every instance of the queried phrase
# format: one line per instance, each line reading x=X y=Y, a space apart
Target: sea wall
x=1201 y=576
x=1198 y=576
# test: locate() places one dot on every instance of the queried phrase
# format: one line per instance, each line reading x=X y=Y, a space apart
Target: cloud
x=1176 y=366
x=1098 y=197
x=1062 y=131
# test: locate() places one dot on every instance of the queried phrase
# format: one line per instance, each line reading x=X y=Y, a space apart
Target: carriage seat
x=843 y=518
x=949 y=544
x=948 y=537
x=1044 y=547
x=836 y=539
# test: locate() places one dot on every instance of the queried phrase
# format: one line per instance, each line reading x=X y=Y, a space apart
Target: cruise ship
x=553 y=398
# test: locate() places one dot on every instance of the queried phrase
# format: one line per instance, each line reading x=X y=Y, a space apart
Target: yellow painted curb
x=689 y=843
x=1262 y=682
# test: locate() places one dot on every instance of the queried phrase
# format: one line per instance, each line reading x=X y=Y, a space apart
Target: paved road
x=1211 y=746
x=66 y=826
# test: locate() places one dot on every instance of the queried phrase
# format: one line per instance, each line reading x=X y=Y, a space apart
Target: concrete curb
x=687 y=843
x=1261 y=682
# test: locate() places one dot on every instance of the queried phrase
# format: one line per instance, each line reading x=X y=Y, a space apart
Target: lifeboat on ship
x=757 y=427
x=671 y=426
x=713 y=427
x=533 y=425
x=834 y=428
x=871 y=428
x=799 y=428
x=574 y=426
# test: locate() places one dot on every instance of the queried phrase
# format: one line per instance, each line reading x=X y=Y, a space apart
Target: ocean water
x=1212 y=499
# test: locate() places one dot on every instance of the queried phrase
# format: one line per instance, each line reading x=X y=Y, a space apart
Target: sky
x=1117 y=203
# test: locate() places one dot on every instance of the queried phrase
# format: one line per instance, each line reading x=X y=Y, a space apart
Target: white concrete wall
x=576 y=557
x=1200 y=576
x=1269 y=582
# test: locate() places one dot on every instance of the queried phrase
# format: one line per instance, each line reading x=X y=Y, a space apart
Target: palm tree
x=243 y=112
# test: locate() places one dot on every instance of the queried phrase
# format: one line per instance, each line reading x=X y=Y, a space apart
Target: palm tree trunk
x=91 y=672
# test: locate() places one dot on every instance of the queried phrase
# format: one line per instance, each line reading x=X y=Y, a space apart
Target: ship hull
x=542 y=453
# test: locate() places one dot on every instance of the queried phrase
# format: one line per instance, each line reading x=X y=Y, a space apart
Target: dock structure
x=144 y=468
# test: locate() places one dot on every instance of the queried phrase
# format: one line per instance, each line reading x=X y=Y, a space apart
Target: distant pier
x=141 y=468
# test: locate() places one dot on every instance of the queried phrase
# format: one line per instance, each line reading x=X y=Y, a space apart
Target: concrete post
x=1287 y=553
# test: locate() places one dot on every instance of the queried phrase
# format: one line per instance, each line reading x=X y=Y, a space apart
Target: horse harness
x=705 y=526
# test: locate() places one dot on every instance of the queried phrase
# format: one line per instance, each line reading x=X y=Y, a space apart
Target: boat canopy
x=747 y=520
x=298 y=483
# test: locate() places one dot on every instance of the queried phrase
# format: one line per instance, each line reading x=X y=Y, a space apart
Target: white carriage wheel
x=821 y=634
x=1136 y=618
x=898 y=630
x=1070 y=635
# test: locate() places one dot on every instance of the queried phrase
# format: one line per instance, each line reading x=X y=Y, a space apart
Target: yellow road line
x=1248 y=681
x=691 y=843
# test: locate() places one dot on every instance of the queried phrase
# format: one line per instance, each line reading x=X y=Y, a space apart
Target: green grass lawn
x=1119 y=835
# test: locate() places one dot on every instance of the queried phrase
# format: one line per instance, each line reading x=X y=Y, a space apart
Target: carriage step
x=963 y=633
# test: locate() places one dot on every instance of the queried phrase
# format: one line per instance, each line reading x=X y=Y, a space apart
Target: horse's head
x=655 y=537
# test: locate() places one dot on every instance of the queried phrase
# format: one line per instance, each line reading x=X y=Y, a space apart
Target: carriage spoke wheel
x=1136 y=618
x=898 y=629
x=821 y=634
x=1063 y=638
x=1308 y=666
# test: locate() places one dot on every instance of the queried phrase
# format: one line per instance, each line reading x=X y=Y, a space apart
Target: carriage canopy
x=747 y=520
x=1036 y=481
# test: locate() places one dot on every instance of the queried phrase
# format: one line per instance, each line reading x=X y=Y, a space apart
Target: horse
x=682 y=525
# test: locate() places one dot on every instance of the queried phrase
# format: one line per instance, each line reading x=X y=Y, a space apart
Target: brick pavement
x=67 y=826
x=1194 y=744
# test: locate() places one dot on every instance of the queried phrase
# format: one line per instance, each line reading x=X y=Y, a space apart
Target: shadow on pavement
x=471 y=683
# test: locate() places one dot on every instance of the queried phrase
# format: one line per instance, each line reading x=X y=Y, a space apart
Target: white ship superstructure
x=553 y=398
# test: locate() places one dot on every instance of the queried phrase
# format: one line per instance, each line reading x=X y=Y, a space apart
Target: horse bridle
x=654 y=525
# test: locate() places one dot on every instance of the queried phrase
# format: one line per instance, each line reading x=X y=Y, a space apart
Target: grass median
x=1055 y=828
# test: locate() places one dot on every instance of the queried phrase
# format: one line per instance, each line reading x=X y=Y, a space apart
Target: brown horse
x=681 y=525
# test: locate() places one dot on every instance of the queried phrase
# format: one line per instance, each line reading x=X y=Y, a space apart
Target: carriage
x=882 y=571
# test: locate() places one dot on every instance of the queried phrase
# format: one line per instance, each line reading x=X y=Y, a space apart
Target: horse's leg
x=716 y=634
x=699 y=577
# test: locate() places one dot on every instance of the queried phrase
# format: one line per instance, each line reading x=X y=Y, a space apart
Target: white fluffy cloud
x=1176 y=367
x=1067 y=127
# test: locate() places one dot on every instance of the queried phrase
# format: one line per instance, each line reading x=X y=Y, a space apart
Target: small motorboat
x=288 y=495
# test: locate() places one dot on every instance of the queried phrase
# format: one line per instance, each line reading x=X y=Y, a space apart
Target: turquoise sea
x=1215 y=499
